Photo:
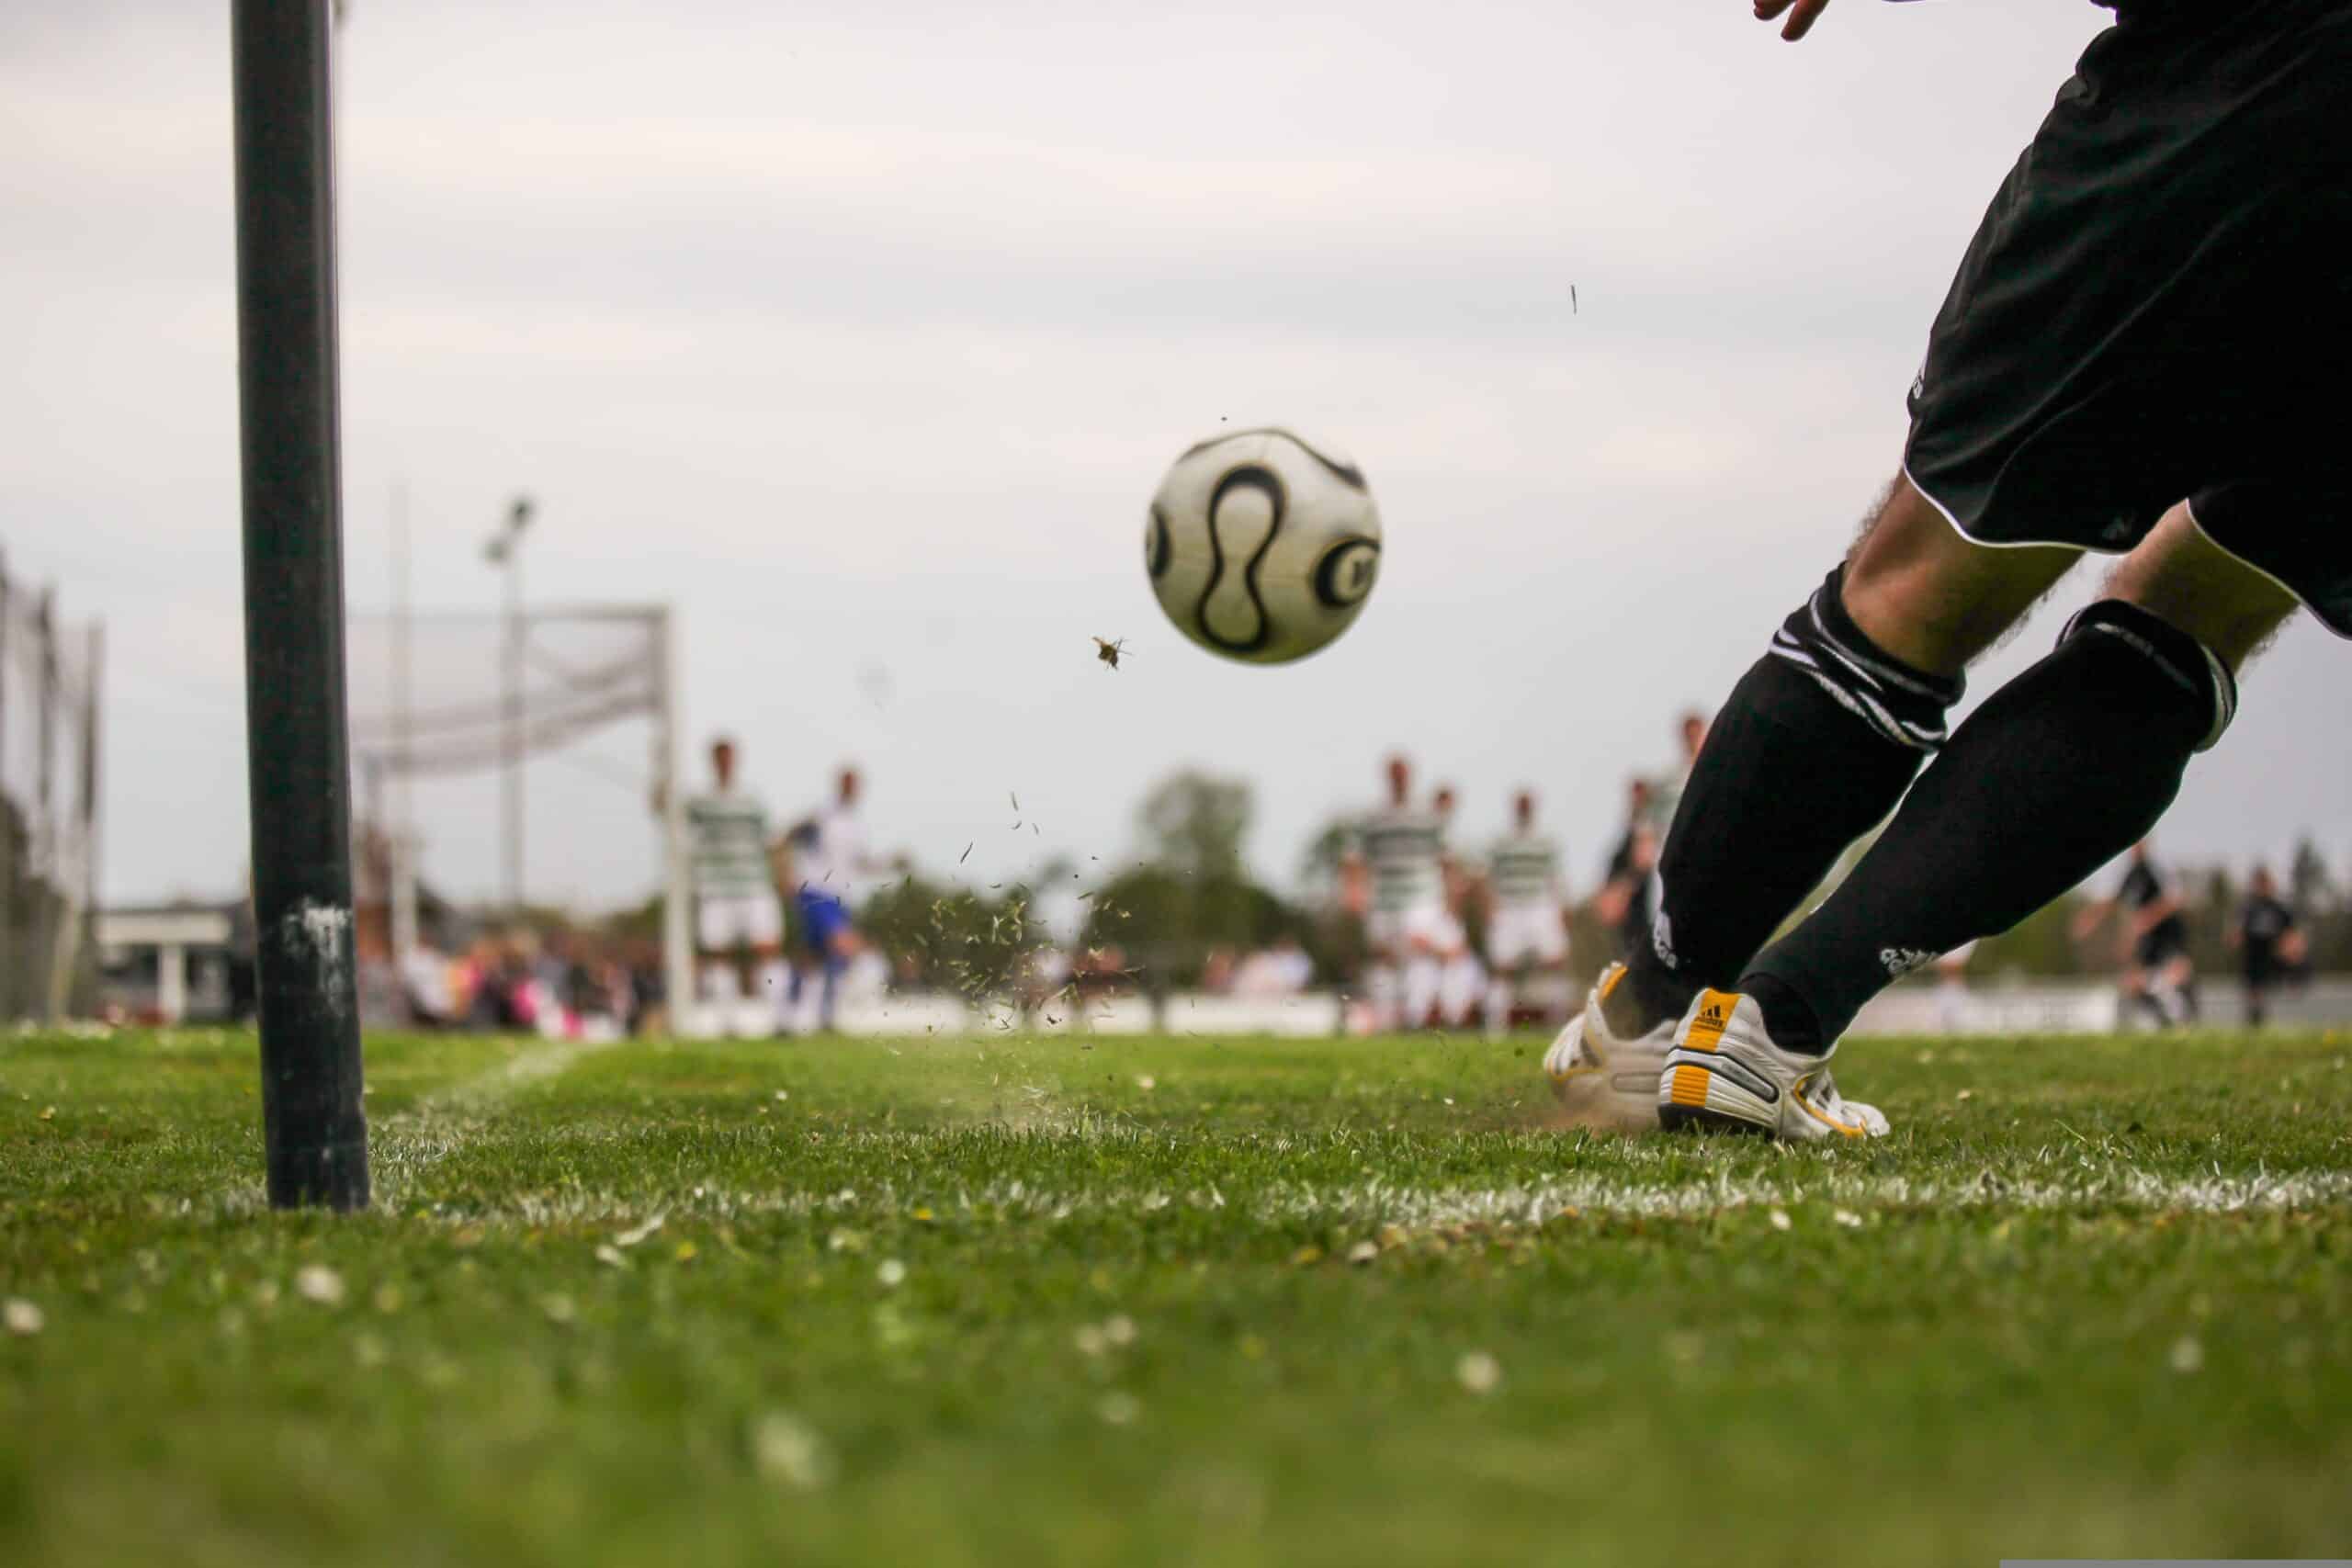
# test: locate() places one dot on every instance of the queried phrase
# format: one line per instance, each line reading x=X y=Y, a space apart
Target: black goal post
x=297 y=742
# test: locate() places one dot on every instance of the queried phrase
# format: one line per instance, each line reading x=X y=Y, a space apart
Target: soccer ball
x=1261 y=546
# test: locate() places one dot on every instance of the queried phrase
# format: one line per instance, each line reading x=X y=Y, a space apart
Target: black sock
x=1813 y=747
x=2064 y=769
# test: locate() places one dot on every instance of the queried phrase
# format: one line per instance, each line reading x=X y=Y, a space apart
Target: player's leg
x=1462 y=984
x=717 y=930
x=1502 y=966
x=2164 y=993
x=1424 y=968
x=2090 y=366
x=1545 y=983
x=1384 y=970
x=1458 y=975
x=773 y=976
x=841 y=946
x=2060 y=771
x=760 y=923
x=1383 y=982
x=2180 y=974
x=824 y=932
x=1819 y=740
x=2140 y=995
x=1511 y=957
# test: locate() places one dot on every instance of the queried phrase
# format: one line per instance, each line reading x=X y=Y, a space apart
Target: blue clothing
x=822 y=917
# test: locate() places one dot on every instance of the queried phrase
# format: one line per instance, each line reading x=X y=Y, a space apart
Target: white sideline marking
x=1377 y=1204
x=406 y=1145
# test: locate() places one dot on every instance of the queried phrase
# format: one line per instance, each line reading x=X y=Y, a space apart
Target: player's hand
x=1801 y=15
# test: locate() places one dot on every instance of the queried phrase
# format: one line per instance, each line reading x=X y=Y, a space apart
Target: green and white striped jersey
x=727 y=849
x=1405 y=848
x=1524 y=868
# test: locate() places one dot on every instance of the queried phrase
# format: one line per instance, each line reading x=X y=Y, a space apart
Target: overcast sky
x=862 y=335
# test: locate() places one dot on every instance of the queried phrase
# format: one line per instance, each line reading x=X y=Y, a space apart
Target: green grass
x=2092 y=1299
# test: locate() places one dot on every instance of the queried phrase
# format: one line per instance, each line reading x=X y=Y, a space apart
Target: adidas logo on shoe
x=1724 y=1073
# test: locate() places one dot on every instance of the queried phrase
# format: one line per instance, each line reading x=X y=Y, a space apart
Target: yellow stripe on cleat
x=1690 y=1084
x=1848 y=1128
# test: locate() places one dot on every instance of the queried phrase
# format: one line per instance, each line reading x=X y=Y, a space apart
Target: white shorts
x=1396 y=929
x=1453 y=936
x=723 y=919
x=1526 y=934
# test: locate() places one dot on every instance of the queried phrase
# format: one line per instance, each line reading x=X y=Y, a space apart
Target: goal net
x=483 y=697
x=49 y=803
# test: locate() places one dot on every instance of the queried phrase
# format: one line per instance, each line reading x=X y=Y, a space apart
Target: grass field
x=1174 y=1301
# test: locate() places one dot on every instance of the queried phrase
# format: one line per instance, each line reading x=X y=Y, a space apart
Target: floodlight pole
x=403 y=808
x=677 y=939
x=505 y=552
x=512 y=744
x=297 y=742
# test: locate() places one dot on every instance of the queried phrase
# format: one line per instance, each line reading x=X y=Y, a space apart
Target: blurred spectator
x=1281 y=970
x=432 y=989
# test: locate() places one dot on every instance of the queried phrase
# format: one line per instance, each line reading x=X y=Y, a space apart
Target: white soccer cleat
x=1602 y=1081
x=1725 y=1073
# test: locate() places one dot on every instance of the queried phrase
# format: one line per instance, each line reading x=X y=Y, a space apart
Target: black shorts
x=2161 y=945
x=2158 y=306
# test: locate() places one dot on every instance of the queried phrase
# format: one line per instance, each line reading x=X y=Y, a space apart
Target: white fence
x=48 y=800
x=2041 y=1008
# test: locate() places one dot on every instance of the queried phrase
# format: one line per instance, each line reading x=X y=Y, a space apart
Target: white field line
x=402 y=1147
x=1373 y=1204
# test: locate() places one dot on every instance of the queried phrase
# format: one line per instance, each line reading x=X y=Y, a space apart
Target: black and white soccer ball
x=1262 y=546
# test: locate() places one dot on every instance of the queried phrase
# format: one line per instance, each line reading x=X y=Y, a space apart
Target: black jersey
x=2265 y=921
x=2263 y=924
x=2144 y=886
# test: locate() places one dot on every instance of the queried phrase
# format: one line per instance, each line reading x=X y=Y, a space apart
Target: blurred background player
x=2158 y=974
x=1626 y=900
x=830 y=856
x=1394 y=876
x=736 y=908
x=1955 y=1008
x=1691 y=734
x=2269 y=943
x=1461 y=978
x=1527 y=928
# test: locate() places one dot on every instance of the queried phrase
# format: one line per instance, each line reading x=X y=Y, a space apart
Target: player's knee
x=1906 y=706
x=2192 y=584
x=2202 y=675
x=1931 y=597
